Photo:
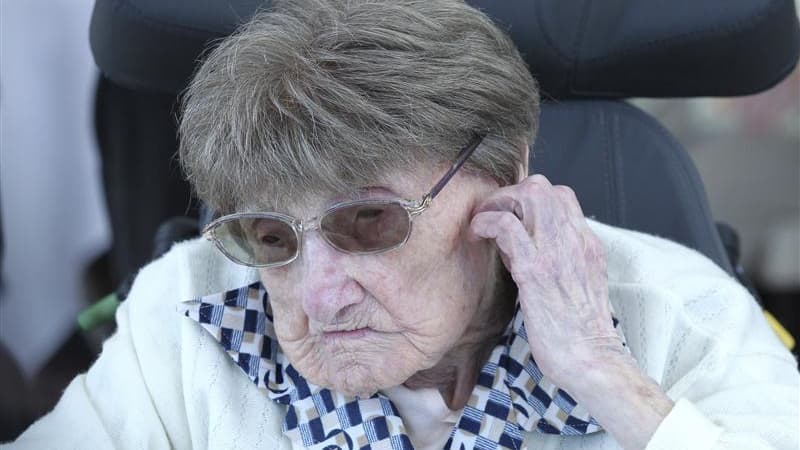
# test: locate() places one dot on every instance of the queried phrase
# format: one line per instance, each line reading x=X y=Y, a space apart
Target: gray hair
x=325 y=96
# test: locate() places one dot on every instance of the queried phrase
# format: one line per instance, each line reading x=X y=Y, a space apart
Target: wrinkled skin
x=423 y=305
x=418 y=302
x=559 y=267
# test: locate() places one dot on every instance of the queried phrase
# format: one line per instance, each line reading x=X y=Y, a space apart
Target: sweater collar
x=511 y=396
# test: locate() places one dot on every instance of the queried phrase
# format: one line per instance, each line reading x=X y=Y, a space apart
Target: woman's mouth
x=346 y=334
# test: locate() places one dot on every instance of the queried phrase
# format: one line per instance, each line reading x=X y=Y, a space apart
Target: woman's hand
x=559 y=266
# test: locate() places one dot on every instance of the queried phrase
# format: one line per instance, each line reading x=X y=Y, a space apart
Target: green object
x=99 y=313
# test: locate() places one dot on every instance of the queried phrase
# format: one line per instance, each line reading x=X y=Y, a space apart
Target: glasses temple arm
x=462 y=157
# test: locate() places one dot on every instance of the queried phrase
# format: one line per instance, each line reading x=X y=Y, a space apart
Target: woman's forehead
x=402 y=184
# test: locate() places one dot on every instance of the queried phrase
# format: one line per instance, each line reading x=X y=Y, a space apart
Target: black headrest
x=627 y=171
x=575 y=48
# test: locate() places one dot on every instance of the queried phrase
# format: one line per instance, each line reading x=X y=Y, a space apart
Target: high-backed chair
x=626 y=169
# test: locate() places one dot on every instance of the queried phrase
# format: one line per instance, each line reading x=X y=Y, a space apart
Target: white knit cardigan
x=163 y=382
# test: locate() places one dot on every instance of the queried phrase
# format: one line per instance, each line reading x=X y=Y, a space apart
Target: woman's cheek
x=291 y=324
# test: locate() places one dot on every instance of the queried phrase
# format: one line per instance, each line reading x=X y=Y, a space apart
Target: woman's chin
x=360 y=380
x=357 y=370
x=355 y=379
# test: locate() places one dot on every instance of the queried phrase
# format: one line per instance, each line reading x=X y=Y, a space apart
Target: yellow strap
x=783 y=335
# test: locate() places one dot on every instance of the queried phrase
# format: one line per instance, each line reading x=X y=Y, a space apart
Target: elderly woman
x=384 y=274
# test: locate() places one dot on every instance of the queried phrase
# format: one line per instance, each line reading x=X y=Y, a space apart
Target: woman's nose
x=326 y=287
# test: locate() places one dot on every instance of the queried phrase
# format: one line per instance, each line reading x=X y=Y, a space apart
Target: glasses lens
x=366 y=227
x=258 y=241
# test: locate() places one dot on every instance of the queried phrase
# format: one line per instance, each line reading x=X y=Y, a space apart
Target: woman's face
x=360 y=323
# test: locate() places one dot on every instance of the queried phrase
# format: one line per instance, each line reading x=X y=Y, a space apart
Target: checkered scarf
x=511 y=396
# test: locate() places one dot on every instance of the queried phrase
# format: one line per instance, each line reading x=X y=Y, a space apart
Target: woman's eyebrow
x=376 y=189
x=260 y=207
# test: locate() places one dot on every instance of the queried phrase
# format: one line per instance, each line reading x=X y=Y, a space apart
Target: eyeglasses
x=361 y=227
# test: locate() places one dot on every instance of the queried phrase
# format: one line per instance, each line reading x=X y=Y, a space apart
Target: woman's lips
x=346 y=334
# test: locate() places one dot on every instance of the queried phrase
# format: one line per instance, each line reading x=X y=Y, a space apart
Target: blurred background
x=76 y=226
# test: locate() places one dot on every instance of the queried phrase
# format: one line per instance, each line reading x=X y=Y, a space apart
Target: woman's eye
x=373 y=213
x=270 y=239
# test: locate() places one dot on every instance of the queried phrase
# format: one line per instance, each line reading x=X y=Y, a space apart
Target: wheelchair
x=588 y=57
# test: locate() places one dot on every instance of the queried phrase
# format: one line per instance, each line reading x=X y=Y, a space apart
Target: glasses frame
x=412 y=207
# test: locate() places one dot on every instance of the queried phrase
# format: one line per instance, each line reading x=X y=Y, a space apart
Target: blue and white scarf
x=510 y=398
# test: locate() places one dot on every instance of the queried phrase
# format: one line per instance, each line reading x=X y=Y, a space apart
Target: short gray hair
x=325 y=96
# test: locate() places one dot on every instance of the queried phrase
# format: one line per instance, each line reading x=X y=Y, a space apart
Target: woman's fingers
x=542 y=208
x=558 y=264
x=515 y=246
x=570 y=201
x=516 y=198
x=507 y=231
x=536 y=220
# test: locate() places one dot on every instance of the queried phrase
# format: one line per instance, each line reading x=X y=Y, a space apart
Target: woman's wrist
x=625 y=401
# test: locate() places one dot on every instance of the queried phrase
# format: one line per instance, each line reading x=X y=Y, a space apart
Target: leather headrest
x=575 y=48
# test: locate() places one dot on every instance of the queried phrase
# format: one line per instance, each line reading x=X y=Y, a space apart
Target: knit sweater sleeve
x=743 y=394
x=161 y=382
x=112 y=405
x=701 y=335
